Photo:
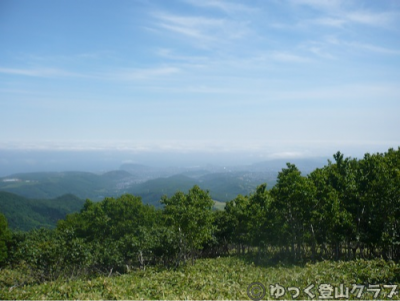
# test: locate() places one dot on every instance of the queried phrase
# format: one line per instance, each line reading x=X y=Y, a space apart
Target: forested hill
x=223 y=186
x=25 y=214
x=48 y=185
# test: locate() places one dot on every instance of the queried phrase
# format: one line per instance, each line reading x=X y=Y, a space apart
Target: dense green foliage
x=190 y=217
x=26 y=214
x=347 y=210
x=5 y=236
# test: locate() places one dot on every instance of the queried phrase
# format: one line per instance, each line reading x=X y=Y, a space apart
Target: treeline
x=349 y=208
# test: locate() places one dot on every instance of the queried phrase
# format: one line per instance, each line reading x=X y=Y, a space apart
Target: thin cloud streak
x=339 y=13
x=142 y=74
x=227 y=7
x=371 y=18
x=324 y=5
x=288 y=57
x=204 y=32
x=373 y=48
x=39 y=72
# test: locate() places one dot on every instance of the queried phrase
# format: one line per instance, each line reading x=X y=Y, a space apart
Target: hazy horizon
x=14 y=161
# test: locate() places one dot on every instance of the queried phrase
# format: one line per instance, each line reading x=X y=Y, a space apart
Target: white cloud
x=142 y=74
x=337 y=13
x=325 y=5
x=321 y=52
x=289 y=57
x=192 y=59
x=355 y=93
x=333 y=41
x=371 y=18
x=38 y=72
x=330 y=21
x=227 y=7
x=204 y=32
x=374 y=48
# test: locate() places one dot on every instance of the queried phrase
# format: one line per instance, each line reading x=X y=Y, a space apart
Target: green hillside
x=223 y=187
x=25 y=214
x=151 y=191
x=46 y=185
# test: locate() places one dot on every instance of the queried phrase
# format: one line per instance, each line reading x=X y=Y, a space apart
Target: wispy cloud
x=338 y=13
x=321 y=52
x=205 y=32
x=371 y=18
x=171 y=55
x=37 y=72
x=330 y=42
x=373 y=48
x=326 y=5
x=121 y=74
x=142 y=74
x=288 y=57
x=227 y=7
x=330 y=21
x=197 y=28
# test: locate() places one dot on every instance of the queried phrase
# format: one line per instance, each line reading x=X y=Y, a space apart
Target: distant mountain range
x=224 y=183
x=33 y=199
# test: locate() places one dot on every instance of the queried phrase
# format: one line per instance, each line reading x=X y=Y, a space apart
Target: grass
x=219 y=278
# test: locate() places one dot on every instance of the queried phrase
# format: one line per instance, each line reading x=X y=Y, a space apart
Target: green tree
x=5 y=236
x=329 y=219
x=239 y=216
x=379 y=186
x=294 y=201
x=117 y=230
x=343 y=176
x=190 y=216
x=262 y=219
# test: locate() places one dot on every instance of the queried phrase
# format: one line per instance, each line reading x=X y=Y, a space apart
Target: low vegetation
x=219 y=278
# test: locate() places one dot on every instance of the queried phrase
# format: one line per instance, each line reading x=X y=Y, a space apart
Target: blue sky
x=276 y=77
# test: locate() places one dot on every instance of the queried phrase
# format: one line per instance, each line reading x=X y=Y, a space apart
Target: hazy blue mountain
x=149 y=182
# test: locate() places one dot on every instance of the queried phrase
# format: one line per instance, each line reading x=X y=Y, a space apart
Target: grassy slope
x=220 y=278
